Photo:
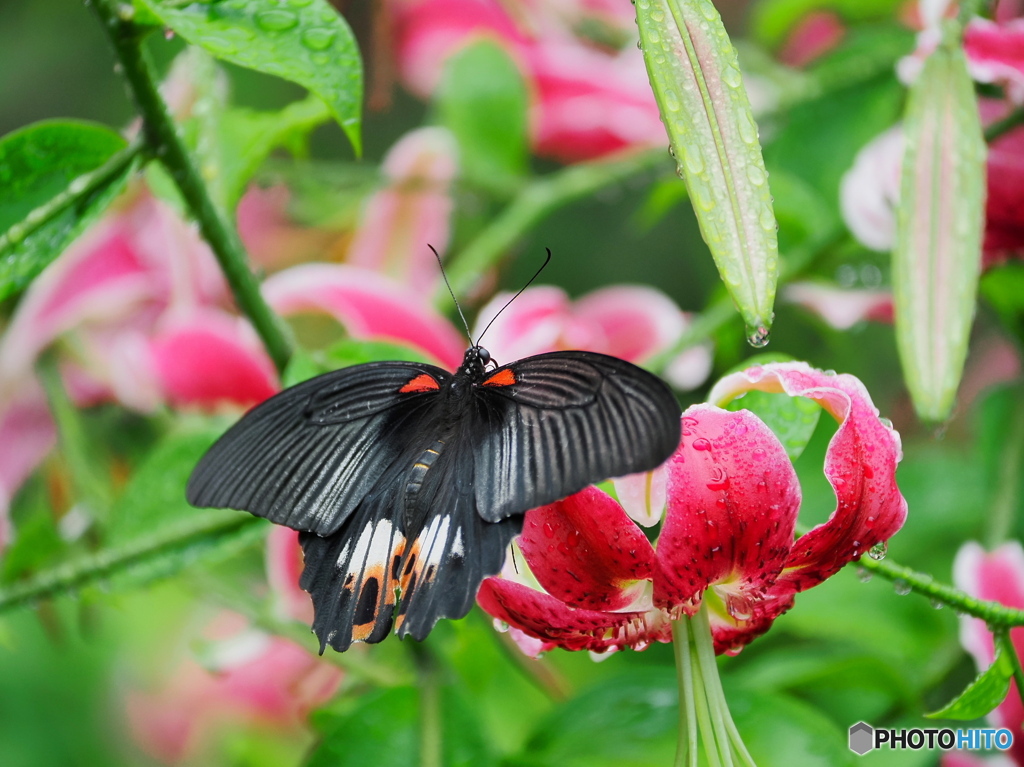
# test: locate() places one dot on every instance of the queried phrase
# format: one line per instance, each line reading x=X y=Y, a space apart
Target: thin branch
x=994 y=614
x=537 y=201
x=1005 y=125
x=73 y=576
x=79 y=189
x=161 y=134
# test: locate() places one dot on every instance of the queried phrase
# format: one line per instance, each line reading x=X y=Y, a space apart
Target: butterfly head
x=476 y=360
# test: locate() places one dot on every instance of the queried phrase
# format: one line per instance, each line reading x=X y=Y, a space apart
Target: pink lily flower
x=247 y=678
x=727 y=539
x=633 y=322
x=998 y=576
x=816 y=34
x=589 y=100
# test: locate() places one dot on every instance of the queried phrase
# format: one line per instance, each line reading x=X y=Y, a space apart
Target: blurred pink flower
x=996 y=576
x=588 y=100
x=869 y=192
x=841 y=308
x=633 y=322
x=284 y=563
x=247 y=677
x=595 y=582
x=815 y=35
x=410 y=211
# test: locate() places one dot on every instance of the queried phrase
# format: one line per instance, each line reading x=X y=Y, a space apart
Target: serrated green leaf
x=937 y=259
x=56 y=178
x=694 y=71
x=983 y=694
x=306 y=42
x=483 y=102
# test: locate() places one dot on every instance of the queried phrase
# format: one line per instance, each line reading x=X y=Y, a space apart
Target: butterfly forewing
x=561 y=421
x=308 y=456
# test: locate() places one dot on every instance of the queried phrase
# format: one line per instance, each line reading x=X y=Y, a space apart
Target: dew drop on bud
x=878 y=551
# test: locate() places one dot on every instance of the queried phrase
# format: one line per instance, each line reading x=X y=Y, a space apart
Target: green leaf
x=305 y=41
x=623 y=721
x=248 y=137
x=694 y=71
x=1003 y=290
x=56 y=177
x=983 y=694
x=343 y=354
x=791 y=419
x=483 y=102
x=937 y=259
x=384 y=730
x=780 y=731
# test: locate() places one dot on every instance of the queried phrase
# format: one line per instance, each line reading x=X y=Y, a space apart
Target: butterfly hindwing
x=552 y=424
x=428 y=544
x=306 y=457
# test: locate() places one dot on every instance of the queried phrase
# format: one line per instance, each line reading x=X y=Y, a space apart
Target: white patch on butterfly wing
x=372 y=546
x=458 y=546
x=433 y=540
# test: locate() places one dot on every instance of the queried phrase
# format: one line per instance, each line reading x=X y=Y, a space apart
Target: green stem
x=535 y=202
x=1003 y=507
x=430 y=706
x=1005 y=125
x=161 y=134
x=1002 y=638
x=687 y=748
x=79 y=189
x=210 y=530
x=994 y=614
x=713 y=686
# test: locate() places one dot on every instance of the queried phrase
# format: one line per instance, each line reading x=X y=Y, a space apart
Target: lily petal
x=209 y=357
x=412 y=211
x=644 y=496
x=733 y=503
x=368 y=304
x=543 y=617
x=587 y=552
x=860 y=465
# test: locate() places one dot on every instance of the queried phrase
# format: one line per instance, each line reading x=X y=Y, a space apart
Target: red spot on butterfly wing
x=502 y=378
x=421 y=383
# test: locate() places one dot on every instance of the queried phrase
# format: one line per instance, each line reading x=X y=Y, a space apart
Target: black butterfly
x=407 y=482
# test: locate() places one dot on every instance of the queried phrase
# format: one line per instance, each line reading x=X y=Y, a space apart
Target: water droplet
x=886 y=422
x=549 y=530
x=755 y=175
x=901 y=587
x=864 y=575
x=16 y=234
x=719 y=479
x=758 y=337
x=701 y=444
x=276 y=20
x=731 y=76
x=168 y=34
x=739 y=608
x=692 y=159
x=318 y=38
x=878 y=551
x=937 y=604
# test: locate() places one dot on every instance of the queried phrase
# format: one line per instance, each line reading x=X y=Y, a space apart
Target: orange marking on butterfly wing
x=421 y=383
x=502 y=378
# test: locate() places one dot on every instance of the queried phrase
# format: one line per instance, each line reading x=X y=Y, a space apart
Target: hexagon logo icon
x=862 y=738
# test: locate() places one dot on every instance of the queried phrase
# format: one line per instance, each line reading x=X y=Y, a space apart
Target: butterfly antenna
x=528 y=283
x=441 y=266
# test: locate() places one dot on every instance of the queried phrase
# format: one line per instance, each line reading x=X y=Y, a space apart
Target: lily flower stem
x=430 y=705
x=166 y=143
x=724 y=725
x=687 y=750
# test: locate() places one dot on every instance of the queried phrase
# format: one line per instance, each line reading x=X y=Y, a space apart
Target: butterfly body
x=408 y=482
